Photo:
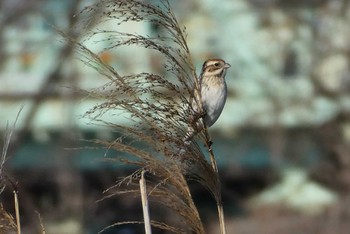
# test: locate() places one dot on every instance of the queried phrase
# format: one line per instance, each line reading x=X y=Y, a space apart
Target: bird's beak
x=227 y=65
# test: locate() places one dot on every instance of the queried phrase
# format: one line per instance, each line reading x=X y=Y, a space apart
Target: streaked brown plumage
x=213 y=89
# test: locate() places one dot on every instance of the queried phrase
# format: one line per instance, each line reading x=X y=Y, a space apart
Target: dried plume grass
x=158 y=106
x=7 y=223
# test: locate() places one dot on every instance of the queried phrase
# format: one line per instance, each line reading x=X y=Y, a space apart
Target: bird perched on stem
x=213 y=93
x=213 y=89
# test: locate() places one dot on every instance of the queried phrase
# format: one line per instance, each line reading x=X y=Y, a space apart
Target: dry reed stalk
x=158 y=106
x=214 y=165
x=18 y=218
x=10 y=222
x=145 y=208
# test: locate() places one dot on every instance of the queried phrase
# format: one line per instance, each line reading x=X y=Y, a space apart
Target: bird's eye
x=216 y=64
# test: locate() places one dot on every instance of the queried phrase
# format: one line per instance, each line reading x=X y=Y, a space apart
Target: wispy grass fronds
x=158 y=107
x=7 y=222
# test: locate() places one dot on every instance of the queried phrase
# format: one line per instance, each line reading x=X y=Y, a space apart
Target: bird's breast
x=213 y=98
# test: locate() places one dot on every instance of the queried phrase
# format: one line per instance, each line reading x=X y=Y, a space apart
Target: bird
x=213 y=89
x=211 y=98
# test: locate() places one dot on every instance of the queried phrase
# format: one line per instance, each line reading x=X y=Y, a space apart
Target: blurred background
x=282 y=142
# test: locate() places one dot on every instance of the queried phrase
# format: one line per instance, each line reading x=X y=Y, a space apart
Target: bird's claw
x=203 y=114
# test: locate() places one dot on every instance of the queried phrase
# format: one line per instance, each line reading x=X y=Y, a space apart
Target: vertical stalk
x=221 y=217
x=18 y=221
x=145 y=207
x=218 y=198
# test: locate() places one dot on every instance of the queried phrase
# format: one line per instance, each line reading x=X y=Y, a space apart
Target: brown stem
x=214 y=165
x=145 y=208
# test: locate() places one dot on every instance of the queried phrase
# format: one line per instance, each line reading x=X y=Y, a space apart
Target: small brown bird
x=213 y=89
